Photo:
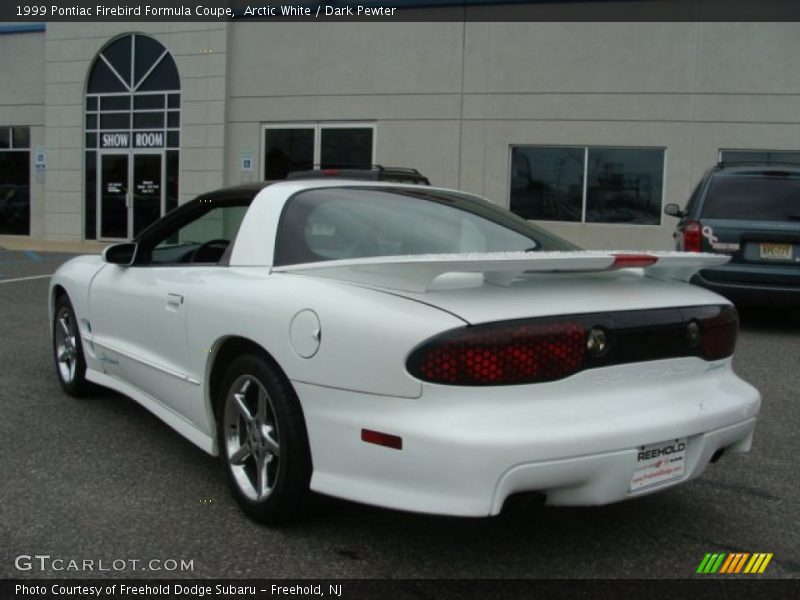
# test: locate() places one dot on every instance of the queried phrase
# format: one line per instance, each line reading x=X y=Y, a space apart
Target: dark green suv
x=751 y=212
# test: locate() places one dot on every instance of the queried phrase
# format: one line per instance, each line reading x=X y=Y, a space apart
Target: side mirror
x=120 y=254
x=673 y=210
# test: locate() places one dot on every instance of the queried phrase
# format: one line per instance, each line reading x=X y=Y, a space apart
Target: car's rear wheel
x=68 y=349
x=263 y=441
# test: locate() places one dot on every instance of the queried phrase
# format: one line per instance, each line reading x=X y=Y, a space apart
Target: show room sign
x=140 y=139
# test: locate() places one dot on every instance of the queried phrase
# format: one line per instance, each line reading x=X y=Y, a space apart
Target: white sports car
x=406 y=346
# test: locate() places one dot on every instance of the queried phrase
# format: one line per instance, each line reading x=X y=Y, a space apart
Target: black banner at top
x=37 y=12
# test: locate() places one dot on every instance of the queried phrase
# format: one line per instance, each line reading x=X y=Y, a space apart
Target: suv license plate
x=776 y=251
x=657 y=463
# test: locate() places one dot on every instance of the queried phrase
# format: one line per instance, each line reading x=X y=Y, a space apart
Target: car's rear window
x=770 y=196
x=341 y=223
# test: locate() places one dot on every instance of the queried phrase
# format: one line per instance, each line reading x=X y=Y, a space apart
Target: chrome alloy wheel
x=251 y=437
x=66 y=333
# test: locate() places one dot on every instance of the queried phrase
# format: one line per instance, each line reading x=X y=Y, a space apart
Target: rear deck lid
x=515 y=285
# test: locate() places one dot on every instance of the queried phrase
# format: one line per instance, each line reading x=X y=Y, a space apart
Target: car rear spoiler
x=417 y=273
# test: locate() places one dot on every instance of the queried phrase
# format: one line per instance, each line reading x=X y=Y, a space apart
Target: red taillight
x=692 y=236
x=330 y=172
x=624 y=261
x=502 y=354
x=719 y=333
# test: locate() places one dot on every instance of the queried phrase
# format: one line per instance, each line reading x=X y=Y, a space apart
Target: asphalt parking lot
x=102 y=479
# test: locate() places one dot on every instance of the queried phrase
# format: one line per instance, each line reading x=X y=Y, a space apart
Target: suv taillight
x=692 y=236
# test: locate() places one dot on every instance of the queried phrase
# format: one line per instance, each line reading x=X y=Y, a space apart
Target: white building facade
x=587 y=128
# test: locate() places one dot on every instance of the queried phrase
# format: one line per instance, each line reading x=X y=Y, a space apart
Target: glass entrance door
x=131 y=193
x=147 y=190
x=114 y=196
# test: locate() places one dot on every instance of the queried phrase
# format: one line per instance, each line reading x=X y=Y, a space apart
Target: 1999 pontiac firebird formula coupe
x=408 y=347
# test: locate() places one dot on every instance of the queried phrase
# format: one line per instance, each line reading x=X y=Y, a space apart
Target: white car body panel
x=545 y=295
x=491 y=442
x=154 y=332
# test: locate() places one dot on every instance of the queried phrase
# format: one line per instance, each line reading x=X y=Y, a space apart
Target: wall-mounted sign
x=39 y=157
x=40 y=162
x=246 y=160
x=140 y=139
x=115 y=140
x=148 y=139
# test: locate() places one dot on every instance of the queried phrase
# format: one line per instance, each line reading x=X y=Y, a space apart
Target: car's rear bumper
x=751 y=293
x=465 y=450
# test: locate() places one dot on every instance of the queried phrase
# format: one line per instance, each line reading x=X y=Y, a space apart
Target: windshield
x=754 y=196
x=340 y=223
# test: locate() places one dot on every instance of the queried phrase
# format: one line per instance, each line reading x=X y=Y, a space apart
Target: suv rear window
x=764 y=196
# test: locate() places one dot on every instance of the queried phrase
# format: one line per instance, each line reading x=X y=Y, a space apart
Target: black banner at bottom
x=731 y=588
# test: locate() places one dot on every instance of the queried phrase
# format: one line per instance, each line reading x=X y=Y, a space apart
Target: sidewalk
x=18 y=242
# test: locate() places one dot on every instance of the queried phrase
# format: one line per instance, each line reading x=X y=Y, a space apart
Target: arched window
x=132 y=137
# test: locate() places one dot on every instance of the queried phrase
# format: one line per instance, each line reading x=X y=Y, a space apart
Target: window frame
x=584 y=197
x=317 y=127
x=11 y=147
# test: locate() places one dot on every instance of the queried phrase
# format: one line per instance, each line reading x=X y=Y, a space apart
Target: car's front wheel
x=68 y=349
x=263 y=441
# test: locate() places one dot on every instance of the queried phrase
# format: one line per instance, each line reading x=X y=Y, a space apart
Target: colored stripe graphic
x=733 y=563
x=758 y=563
x=711 y=563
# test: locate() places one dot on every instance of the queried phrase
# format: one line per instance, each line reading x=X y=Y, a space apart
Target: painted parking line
x=25 y=278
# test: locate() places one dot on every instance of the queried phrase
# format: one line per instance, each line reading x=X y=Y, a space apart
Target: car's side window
x=202 y=240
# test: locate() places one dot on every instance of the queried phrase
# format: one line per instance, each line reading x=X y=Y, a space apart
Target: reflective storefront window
x=547 y=183
x=15 y=175
x=326 y=146
x=624 y=186
x=587 y=184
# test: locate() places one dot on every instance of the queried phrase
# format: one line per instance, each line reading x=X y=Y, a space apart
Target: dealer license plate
x=775 y=251
x=657 y=463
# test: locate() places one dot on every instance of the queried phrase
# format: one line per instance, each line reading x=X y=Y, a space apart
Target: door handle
x=174 y=300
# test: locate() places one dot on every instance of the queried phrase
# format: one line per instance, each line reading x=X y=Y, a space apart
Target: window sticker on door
x=147 y=188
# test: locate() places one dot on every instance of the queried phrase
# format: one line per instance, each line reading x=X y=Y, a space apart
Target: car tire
x=263 y=443
x=68 y=350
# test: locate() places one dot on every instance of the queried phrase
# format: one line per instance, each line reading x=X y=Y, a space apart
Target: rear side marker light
x=626 y=261
x=382 y=439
